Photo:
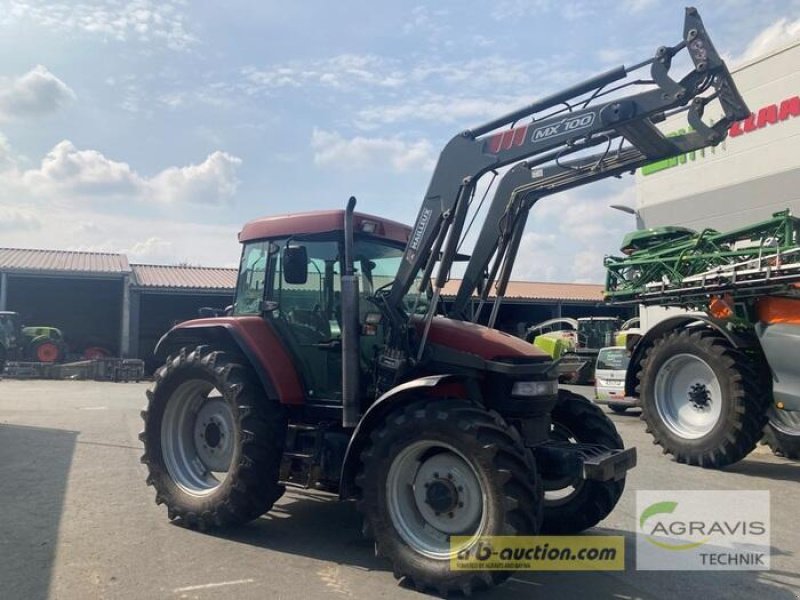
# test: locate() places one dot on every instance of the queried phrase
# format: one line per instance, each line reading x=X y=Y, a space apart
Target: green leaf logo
x=660 y=508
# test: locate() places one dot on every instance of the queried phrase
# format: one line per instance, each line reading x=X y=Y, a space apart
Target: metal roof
x=184 y=277
x=537 y=290
x=220 y=279
x=25 y=259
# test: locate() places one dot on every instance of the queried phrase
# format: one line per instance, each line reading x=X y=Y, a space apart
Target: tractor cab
x=10 y=329
x=290 y=274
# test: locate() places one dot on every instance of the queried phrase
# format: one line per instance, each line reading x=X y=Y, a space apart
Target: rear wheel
x=782 y=433
x=212 y=440
x=96 y=352
x=702 y=399
x=445 y=468
x=578 y=504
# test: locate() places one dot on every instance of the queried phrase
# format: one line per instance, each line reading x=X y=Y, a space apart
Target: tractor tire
x=782 y=433
x=703 y=400
x=46 y=351
x=582 y=503
x=618 y=408
x=439 y=468
x=212 y=440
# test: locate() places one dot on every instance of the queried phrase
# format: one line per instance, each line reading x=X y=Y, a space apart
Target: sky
x=157 y=128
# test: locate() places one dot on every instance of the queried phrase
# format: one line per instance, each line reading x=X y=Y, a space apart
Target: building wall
x=158 y=312
x=751 y=175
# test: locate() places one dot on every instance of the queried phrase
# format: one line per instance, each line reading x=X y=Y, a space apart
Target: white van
x=609 y=379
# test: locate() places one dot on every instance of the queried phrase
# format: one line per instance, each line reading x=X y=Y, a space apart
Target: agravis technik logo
x=699 y=530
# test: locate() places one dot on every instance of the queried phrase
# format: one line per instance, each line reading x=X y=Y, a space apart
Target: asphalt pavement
x=77 y=521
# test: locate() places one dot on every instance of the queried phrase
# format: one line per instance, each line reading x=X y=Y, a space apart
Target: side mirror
x=295 y=265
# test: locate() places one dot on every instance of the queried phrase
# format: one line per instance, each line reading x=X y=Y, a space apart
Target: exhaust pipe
x=351 y=369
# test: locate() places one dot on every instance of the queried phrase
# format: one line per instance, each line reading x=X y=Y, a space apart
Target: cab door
x=308 y=313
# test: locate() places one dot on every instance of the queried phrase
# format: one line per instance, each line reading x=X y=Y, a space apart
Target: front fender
x=394 y=398
x=250 y=337
x=662 y=328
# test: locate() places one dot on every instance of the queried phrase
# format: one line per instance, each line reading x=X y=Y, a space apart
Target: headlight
x=535 y=388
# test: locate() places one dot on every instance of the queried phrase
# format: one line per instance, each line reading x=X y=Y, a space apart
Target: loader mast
x=563 y=124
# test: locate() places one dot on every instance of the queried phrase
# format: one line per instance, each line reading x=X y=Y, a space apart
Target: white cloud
x=7 y=158
x=37 y=92
x=18 y=220
x=611 y=55
x=151 y=250
x=210 y=182
x=569 y=10
x=776 y=35
x=332 y=149
x=145 y=21
x=637 y=6
x=431 y=22
x=570 y=233
x=537 y=258
x=342 y=71
x=68 y=175
x=144 y=239
x=439 y=108
x=368 y=73
x=68 y=170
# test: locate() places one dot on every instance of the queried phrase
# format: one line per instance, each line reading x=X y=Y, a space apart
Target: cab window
x=250 y=282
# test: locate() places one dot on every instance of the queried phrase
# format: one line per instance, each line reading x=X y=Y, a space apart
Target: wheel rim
x=785 y=421
x=197 y=438
x=47 y=352
x=433 y=493
x=688 y=396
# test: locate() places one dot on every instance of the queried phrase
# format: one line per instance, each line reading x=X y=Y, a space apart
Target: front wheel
x=439 y=469
x=212 y=440
x=578 y=504
x=703 y=400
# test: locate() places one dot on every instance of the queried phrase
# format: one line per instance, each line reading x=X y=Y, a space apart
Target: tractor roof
x=322 y=221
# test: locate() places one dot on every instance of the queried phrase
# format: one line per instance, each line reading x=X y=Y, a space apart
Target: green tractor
x=36 y=344
x=575 y=343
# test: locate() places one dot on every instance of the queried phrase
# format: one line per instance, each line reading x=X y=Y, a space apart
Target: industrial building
x=101 y=300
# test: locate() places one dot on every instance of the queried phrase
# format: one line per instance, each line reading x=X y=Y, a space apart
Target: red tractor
x=330 y=373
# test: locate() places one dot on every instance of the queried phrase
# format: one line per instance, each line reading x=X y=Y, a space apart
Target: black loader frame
x=578 y=119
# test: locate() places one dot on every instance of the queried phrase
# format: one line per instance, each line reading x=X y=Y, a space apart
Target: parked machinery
x=40 y=344
x=575 y=343
x=710 y=379
x=329 y=374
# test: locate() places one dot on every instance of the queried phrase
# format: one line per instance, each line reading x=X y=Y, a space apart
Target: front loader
x=332 y=374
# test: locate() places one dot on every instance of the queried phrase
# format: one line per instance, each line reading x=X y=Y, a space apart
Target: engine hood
x=482 y=341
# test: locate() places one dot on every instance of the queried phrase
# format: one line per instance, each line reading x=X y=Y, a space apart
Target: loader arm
x=582 y=121
x=519 y=189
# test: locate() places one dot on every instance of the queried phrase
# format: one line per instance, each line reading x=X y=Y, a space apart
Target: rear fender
x=433 y=386
x=736 y=339
x=780 y=342
x=249 y=337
